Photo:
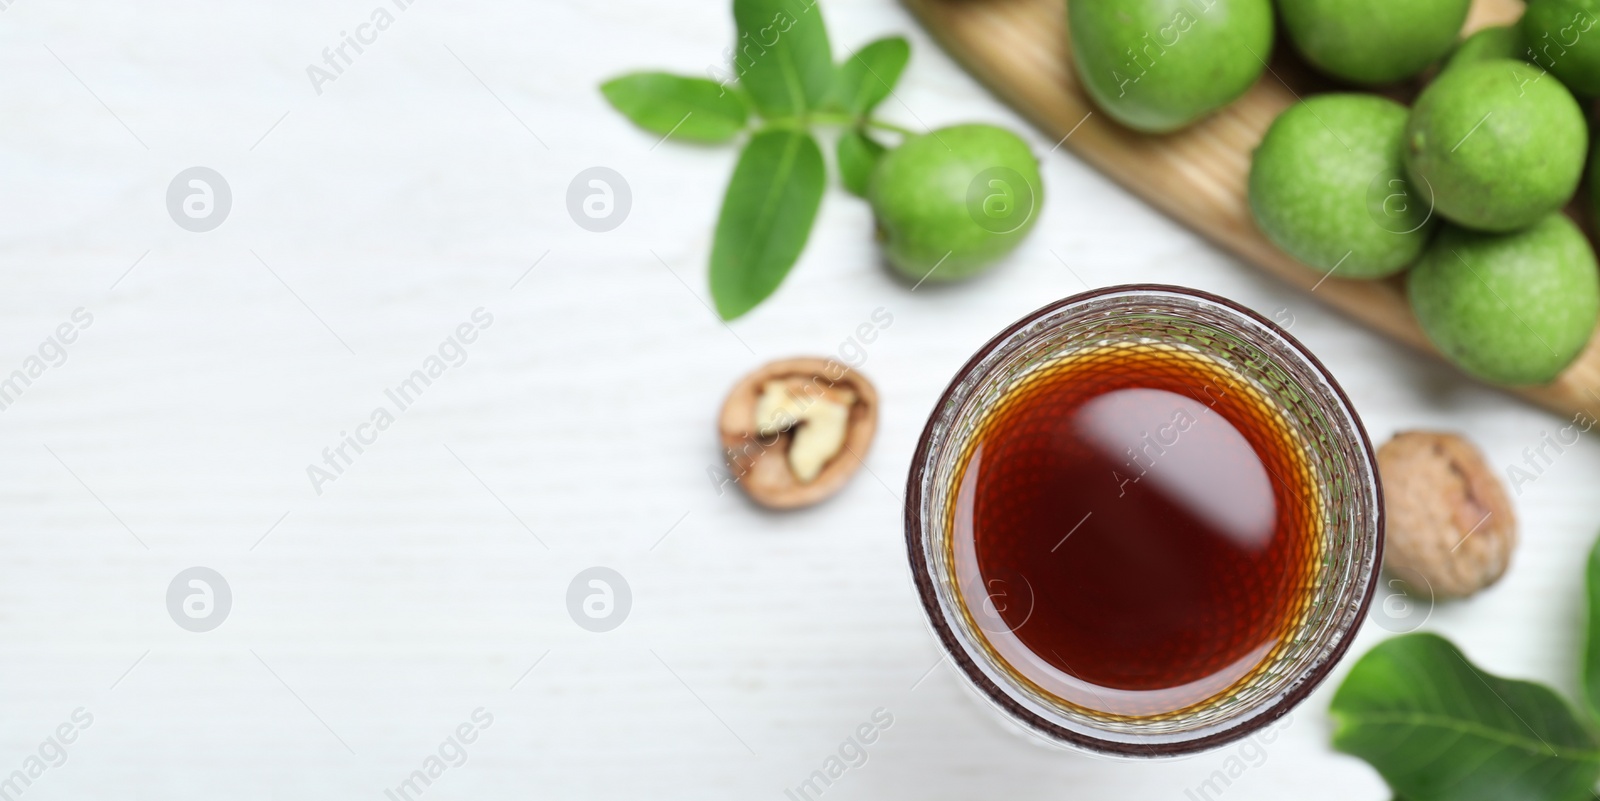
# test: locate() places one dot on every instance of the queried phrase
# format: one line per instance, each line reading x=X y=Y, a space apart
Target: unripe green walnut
x=1373 y=41
x=951 y=202
x=1498 y=41
x=1499 y=142
x=1563 y=37
x=1159 y=65
x=1327 y=185
x=1511 y=308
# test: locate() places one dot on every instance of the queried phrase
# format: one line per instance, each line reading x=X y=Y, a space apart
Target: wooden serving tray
x=1019 y=49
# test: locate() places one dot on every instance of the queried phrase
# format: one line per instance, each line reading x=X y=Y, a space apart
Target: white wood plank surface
x=422 y=584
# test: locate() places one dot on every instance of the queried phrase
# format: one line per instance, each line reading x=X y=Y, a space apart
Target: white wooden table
x=370 y=621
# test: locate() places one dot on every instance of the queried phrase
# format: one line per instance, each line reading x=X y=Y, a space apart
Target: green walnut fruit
x=1499 y=144
x=951 y=202
x=1158 y=65
x=1328 y=186
x=1499 y=41
x=1373 y=41
x=1562 y=36
x=1511 y=308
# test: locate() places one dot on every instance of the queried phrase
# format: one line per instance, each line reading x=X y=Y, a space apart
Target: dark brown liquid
x=1150 y=521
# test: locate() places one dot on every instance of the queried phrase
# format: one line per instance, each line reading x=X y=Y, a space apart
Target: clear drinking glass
x=1348 y=547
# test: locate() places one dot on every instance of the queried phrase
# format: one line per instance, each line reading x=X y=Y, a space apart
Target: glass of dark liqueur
x=1144 y=521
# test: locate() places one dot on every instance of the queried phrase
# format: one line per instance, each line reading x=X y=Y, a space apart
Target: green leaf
x=865 y=79
x=782 y=56
x=767 y=212
x=858 y=157
x=1439 y=729
x=1591 y=650
x=696 y=109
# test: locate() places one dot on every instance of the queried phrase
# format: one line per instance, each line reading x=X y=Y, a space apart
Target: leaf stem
x=846 y=120
x=889 y=126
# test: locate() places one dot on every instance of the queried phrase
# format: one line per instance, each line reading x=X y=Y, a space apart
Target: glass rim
x=1306 y=680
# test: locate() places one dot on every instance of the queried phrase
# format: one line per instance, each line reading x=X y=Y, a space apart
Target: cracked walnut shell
x=795 y=430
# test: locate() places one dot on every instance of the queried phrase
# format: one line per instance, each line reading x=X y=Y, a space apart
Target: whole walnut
x=1449 y=520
